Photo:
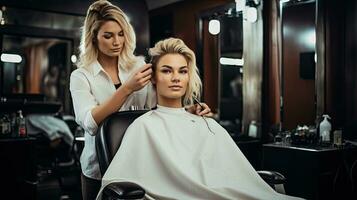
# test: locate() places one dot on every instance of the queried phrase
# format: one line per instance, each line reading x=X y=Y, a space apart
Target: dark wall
x=351 y=61
x=138 y=14
x=341 y=61
x=75 y=7
x=298 y=92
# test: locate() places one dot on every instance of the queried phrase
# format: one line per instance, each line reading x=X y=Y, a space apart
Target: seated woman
x=173 y=154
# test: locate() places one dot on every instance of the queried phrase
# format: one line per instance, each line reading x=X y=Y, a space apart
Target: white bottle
x=252 y=129
x=325 y=129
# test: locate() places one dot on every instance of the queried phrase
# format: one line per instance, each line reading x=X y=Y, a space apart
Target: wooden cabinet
x=313 y=173
x=18 y=168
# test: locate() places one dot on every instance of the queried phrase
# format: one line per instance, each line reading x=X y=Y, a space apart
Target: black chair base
x=274 y=179
x=123 y=190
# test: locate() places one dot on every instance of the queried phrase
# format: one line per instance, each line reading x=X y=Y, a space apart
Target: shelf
x=30 y=107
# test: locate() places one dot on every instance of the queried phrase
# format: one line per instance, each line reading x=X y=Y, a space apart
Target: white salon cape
x=173 y=154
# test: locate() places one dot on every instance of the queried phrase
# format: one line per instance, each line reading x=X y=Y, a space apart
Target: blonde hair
x=98 y=13
x=177 y=46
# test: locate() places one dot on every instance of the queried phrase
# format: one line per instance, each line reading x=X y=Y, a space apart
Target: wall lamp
x=10 y=58
x=250 y=12
x=73 y=58
x=248 y=8
x=214 y=26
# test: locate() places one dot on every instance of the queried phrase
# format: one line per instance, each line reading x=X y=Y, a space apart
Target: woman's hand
x=139 y=78
x=200 y=109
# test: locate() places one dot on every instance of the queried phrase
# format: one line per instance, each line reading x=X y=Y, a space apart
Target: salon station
x=280 y=76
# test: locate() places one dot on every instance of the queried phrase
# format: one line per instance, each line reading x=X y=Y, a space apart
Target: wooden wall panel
x=211 y=68
x=335 y=66
x=321 y=60
x=337 y=93
x=252 y=70
x=351 y=62
x=341 y=62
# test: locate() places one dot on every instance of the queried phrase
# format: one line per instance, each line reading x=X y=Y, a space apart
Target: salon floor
x=59 y=186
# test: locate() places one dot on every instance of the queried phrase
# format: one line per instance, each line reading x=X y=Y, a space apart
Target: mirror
x=298 y=19
x=43 y=66
x=220 y=55
x=231 y=71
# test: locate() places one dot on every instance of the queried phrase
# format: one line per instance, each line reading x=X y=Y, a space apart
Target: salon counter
x=18 y=168
x=313 y=172
x=252 y=151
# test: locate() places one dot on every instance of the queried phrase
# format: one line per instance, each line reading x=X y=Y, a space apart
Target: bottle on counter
x=5 y=125
x=253 y=129
x=14 y=131
x=21 y=124
x=325 y=130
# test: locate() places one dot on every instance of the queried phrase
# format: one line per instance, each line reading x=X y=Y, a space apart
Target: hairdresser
x=109 y=78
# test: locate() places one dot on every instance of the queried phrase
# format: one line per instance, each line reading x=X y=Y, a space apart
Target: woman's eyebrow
x=111 y=32
x=168 y=66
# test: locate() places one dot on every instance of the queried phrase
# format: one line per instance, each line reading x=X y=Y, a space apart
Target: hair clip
x=149 y=59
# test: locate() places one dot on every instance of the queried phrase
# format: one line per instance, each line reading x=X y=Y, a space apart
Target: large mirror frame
x=23 y=31
x=320 y=60
x=222 y=82
x=298 y=66
x=252 y=69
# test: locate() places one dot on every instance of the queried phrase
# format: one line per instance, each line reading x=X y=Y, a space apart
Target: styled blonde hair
x=177 y=46
x=98 y=13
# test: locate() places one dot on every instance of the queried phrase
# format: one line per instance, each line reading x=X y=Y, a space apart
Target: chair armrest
x=272 y=177
x=123 y=190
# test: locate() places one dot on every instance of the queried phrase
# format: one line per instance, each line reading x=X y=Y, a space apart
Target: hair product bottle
x=325 y=129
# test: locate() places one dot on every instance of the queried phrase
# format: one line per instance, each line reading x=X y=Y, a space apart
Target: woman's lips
x=116 y=50
x=175 y=87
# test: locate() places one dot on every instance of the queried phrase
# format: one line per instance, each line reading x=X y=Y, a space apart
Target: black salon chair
x=108 y=139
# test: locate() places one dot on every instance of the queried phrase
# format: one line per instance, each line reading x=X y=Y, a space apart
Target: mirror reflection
x=298 y=63
x=222 y=64
x=43 y=67
x=231 y=70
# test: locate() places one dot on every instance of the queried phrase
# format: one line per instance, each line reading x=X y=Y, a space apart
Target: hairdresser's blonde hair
x=98 y=13
x=177 y=46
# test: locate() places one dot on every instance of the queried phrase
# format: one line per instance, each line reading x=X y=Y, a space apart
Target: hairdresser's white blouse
x=91 y=87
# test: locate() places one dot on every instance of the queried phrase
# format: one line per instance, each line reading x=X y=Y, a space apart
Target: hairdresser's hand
x=138 y=78
x=197 y=110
